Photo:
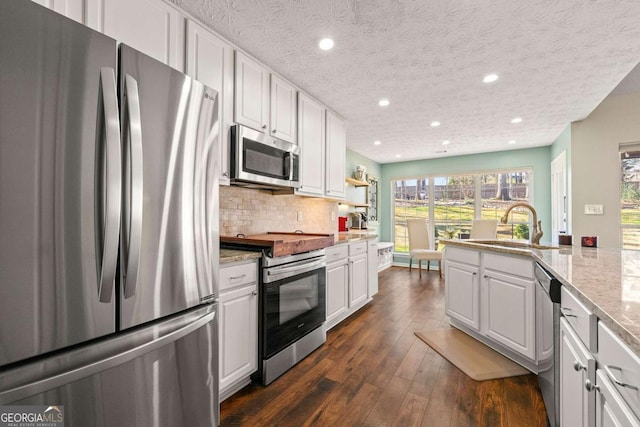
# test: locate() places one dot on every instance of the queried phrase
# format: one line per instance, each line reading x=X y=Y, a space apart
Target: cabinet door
x=73 y=9
x=150 y=26
x=372 y=266
x=462 y=293
x=508 y=307
x=238 y=334
x=577 y=405
x=251 y=105
x=337 y=294
x=611 y=410
x=311 y=139
x=283 y=110
x=210 y=61
x=336 y=156
x=357 y=280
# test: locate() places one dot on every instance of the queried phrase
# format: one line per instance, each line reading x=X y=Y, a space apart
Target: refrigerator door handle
x=134 y=204
x=110 y=195
x=96 y=366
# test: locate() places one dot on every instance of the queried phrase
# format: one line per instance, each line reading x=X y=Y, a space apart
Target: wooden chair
x=484 y=229
x=420 y=245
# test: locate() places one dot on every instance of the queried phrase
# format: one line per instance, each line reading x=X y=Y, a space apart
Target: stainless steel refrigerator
x=108 y=228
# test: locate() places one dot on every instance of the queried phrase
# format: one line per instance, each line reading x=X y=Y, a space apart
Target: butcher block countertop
x=282 y=243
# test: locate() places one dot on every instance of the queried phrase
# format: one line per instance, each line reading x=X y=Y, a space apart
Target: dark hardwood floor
x=373 y=371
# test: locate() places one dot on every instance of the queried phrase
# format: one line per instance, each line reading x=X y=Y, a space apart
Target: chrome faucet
x=537 y=225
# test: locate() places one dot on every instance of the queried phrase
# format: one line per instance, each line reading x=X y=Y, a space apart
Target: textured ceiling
x=557 y=60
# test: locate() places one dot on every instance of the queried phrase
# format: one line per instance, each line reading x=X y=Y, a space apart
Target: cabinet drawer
x=337 y=253
x=357 y=248
x=522 y=267
x=620 y=365
x=462 y=255
x=580 y=318
x=239 y=274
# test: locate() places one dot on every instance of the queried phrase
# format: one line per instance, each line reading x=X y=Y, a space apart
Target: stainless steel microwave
x=262 y=161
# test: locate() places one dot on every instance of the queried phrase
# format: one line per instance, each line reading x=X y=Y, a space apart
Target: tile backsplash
x=248 y=211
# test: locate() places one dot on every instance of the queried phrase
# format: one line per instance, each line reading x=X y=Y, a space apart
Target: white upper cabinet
x=283 y=110
x=251 y=94
x=73 y=9
x=336 y=156
x=150 y=26
x=311 y=138
x=209 y=59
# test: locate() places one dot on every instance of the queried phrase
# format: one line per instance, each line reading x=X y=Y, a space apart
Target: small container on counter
x=565 y=239
x=590 y=241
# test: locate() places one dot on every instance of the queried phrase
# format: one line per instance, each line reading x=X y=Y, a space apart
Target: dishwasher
x=548 y=341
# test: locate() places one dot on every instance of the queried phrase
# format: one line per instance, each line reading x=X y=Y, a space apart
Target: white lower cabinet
x=347 y=284
x=238 y=326
x=508 y=311
x=372 y=267
x=462 y=293
x=337 y=285
x=611 y=409
x=491 y=296
x=577 y=365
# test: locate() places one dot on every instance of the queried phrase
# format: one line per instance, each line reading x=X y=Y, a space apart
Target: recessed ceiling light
x=512 y=142
x=490 y=78
x=398 y=155
x=325 y=44
x=446 y=142
x=516 y=120
x=435 y=124
x=377 y=142
x=383 y=102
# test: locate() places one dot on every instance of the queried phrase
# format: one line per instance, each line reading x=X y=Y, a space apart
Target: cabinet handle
x=613 y=378
x=242 y=276
x=486 y=276
x=226 y=174
x=273 y=131
x=264 y=126
x=564 y=310
x=579 y=366
x=591 y=386
x=474 y=274
x=254 y=293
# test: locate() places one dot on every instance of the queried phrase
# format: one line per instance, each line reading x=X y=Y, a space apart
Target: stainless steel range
x=292 y=311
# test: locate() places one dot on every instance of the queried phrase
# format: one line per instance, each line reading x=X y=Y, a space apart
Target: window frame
x=477 y=191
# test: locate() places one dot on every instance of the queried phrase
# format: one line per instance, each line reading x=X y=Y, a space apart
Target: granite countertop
x=606 y=281
x=233 y=255
x=349 y=236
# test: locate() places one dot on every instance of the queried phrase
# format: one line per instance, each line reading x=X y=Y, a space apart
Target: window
x=630 y=196
x=452 y=202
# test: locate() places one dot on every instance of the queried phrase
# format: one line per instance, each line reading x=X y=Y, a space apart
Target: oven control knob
x=579 y=366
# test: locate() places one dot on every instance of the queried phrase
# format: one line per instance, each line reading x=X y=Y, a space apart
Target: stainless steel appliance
x=262 y=161
x=292 y=311
x=358 y=220
x=109 y=224
x=548 y=341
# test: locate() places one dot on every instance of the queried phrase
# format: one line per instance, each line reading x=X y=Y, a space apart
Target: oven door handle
x=278 y=273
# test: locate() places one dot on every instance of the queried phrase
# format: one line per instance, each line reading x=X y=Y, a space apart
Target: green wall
x=539 y=159
x=536 y=158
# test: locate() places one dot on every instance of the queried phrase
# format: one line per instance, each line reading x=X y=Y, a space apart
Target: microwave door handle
x=133 y=215
x=288 y=165
x=109 y=194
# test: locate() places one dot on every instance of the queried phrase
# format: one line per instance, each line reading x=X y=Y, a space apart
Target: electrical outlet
x=333 y=216
x=299 y=216
x=593 y=210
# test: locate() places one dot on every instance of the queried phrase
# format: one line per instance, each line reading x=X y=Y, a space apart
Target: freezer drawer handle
x=132 y=224
x=109 y=196
x=69 y=376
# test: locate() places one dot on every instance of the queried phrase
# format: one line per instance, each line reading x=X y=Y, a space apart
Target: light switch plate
x=593 y=209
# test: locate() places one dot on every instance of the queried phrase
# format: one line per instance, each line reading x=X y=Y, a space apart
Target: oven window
x=264 y=160
x=298 y=297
